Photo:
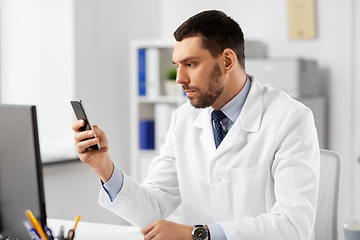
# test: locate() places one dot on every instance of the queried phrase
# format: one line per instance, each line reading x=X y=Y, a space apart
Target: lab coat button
x=217 y=179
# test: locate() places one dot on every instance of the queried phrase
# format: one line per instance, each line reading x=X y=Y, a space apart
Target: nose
x=181 y=76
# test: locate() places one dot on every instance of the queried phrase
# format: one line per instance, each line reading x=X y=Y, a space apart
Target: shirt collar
x=232 y=109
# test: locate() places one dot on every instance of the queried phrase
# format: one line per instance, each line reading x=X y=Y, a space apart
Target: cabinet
x=151 y=105
x=299 y=78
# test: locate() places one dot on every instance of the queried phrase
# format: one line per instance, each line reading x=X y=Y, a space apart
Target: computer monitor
x=21 y=179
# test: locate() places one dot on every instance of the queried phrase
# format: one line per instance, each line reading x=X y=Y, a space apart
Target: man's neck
x=235 y=81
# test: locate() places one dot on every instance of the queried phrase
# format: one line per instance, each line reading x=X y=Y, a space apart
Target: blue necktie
x=217 y=116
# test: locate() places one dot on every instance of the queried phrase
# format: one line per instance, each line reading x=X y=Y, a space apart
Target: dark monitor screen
x=21 y=180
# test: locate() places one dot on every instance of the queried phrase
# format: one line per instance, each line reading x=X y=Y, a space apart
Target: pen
x=61 y=234
x=32 y=232
x=77 y=219
x=71 y=233
x=36 y=224
x=48 y=233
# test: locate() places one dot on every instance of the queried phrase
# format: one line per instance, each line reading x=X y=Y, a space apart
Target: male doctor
x=241 y=158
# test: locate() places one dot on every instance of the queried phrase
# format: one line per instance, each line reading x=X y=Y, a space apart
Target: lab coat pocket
x=249 y=190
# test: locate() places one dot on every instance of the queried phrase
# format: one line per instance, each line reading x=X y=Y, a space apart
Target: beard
x=214 y=90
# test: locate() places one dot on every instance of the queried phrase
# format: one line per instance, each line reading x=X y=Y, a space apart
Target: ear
x=230 y=60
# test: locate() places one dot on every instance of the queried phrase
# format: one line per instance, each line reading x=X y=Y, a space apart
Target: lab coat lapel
x=248 y=121
x=203 y=122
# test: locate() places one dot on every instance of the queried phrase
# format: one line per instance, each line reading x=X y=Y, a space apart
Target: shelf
x=148 y=153
x=159 y=102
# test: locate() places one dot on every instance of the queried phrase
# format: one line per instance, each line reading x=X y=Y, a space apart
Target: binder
x=147 y=134
x=142 y=71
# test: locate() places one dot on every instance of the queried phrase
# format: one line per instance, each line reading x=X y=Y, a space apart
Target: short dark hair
x=218 y=32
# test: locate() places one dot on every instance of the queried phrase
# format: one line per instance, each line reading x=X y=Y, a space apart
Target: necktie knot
x=217 y=116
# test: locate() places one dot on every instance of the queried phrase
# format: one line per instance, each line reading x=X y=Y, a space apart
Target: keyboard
x=2 y=237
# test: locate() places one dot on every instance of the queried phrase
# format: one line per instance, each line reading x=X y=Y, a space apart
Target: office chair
x=326 y=221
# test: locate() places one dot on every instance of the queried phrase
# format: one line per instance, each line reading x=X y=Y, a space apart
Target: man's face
x=198 y=72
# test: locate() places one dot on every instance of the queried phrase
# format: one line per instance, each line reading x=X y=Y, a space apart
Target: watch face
x=200 y=233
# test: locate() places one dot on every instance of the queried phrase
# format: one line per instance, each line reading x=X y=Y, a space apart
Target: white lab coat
x=261 y=182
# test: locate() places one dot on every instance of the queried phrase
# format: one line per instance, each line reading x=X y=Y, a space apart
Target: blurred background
x=54 y=51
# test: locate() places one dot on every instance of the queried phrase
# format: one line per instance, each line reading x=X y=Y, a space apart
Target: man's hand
x=166 y=230
x=98 y=160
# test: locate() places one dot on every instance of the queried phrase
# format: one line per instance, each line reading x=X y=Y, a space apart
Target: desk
x=89 y=231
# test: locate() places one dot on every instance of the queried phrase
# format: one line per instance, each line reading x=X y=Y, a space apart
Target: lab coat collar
x=251 y=115
x=203 y=121
x=249 y=119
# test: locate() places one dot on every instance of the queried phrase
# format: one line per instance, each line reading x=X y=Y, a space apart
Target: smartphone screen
x=79 y=110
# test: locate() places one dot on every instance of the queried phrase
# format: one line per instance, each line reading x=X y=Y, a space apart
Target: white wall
x=37 y=67
x=56 y=51
x=267 y=21
x=356 y=105
x=102 y=30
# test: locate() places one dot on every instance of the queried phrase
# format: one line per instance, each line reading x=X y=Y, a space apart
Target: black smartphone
x=79 y=110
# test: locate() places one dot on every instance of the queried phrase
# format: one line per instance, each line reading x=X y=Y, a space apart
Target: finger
x=84 y=145
x=76 y=126
x=99 y=133
x=147 y=229
x=150 y=235
x=87 y=156
x=81 y=136
x=103 y=149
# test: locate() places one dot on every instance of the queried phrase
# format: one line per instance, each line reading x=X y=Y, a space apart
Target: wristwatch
x=200 y=232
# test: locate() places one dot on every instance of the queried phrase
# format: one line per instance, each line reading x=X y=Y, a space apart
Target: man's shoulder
x=273 y=95
x=279 y=98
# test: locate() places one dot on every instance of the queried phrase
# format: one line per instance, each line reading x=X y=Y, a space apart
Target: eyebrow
x=185 y=60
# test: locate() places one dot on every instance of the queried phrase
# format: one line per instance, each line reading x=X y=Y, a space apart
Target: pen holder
x=352 y=231
x=71 y=234
x=61 y=236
